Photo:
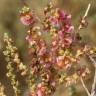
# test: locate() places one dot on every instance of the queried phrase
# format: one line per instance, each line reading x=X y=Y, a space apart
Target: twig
x=85 y=15
x=94 y=62
x=84 y=86
x=88 y=8
x=93 y=93
x=83 y=20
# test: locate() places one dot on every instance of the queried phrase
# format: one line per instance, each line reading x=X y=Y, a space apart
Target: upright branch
x=86 y=89
x=83 y=22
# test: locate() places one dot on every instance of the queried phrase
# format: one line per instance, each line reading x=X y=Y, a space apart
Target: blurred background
x=10 y=23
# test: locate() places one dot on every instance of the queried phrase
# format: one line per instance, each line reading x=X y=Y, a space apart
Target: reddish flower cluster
x=40 y=66
x=48 y=61
x=26 y=16
x=58 y=22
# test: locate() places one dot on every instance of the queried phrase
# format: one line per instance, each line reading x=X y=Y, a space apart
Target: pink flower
x=27 y=19
x=67 y=41
x=39 y=93
x=40 y=89
x=42 y=51
x=61 y=14
x=29 y=38
x=70 y=29
x=53 y=20
x=61 y=34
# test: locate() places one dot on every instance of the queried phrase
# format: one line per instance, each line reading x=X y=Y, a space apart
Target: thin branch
x=84 y=86
x=85 y=15
x=94 y=62
x=87 y=10
x=94 y=82
x=83 y=18
x=93 y=85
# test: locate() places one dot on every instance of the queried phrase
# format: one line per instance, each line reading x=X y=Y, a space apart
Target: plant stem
x=93 y=93
x=94 y=62
x=94 y=82
x=85 y=15
x=84 y=86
